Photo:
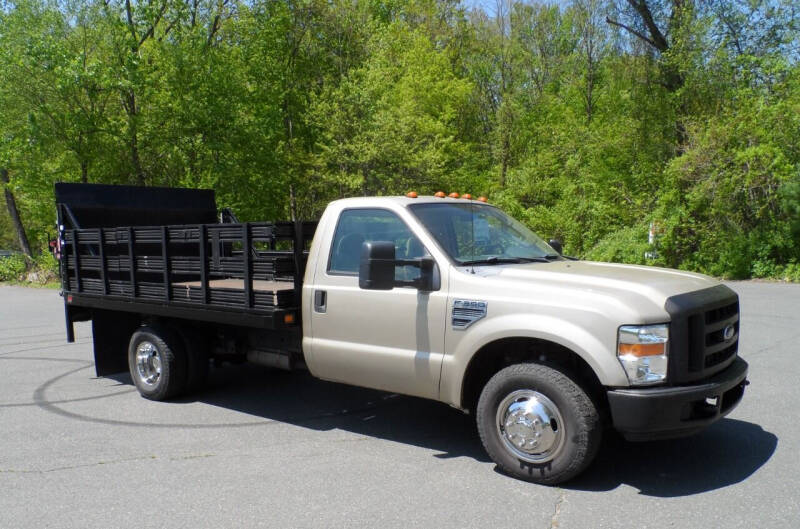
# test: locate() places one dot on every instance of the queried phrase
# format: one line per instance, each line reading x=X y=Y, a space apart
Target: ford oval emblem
x=728 y=332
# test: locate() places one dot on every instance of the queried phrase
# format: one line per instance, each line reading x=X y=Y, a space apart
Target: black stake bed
x=162 y=251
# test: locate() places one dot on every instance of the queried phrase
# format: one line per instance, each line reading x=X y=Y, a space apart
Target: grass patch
x=50 y=285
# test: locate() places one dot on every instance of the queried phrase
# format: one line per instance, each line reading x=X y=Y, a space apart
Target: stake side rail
x=207 y=272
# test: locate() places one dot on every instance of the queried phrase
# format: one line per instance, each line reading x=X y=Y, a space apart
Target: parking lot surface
x=262 y=448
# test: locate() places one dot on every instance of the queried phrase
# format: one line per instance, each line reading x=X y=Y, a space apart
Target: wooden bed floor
x=238 y=284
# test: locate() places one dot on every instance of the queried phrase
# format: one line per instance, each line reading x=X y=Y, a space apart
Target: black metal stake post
x=246 y=257
x=216 y=250
x=165 y=260
x=203 y=234
x=103 y=275
x=61 y=245
x=76 y=259
x=132 y=262
x=64 y=272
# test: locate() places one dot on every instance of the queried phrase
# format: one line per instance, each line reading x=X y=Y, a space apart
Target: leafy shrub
x=13 y=268
x=627 y=245
x=46 y=267
x=792 y=272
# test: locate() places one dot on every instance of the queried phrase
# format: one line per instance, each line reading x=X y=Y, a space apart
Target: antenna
x=472 y=226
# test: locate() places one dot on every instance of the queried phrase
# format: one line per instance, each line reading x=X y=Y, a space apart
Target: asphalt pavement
x=262 y=448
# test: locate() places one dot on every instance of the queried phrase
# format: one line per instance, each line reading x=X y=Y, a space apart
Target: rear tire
x=537 y=424
x=157 y=362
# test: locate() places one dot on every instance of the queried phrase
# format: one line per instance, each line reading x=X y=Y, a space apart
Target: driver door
x=389 y=340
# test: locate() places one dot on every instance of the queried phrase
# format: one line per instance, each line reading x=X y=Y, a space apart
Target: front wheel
x=537 y=424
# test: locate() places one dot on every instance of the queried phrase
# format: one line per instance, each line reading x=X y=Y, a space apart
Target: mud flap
x=111 y=333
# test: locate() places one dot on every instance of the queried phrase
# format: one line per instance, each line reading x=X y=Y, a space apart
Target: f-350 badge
x=467 y=311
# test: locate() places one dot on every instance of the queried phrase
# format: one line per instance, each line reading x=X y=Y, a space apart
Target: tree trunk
x=292 y=203
x=13 y=212
x=504 y=159
x=85 y=171
x=133 y=139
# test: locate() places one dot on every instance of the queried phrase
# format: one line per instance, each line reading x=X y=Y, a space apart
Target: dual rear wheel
x=164 y=362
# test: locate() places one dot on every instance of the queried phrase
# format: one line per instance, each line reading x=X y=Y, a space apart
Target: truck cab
x=652 y=351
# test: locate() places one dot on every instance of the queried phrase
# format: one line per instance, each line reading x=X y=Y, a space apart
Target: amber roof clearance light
x=411 y=194
x=482 y=199
x=453 y=195
x=439 y=194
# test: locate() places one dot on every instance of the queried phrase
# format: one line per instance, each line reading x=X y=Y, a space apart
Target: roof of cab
x=399 y=200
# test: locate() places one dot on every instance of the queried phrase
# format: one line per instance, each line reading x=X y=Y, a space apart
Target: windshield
x=474 y=233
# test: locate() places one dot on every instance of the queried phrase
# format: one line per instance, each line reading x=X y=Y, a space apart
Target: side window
x=357 y=226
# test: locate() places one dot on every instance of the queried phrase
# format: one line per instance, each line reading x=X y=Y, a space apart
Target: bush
x=46 y=267
x=627 y=245
x=13 y=268
x=792 y=272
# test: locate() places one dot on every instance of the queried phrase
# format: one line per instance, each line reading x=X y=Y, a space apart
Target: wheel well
x=499 y=354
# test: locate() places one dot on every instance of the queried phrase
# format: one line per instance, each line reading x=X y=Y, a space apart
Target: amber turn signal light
x=642 y=349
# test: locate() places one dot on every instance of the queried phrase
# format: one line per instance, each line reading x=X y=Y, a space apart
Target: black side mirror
x=376 y=267
x=556 y=245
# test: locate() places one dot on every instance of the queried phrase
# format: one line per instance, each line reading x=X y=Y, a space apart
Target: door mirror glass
x=376 y=266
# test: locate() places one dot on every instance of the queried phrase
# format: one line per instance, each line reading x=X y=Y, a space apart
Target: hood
x=627 y=284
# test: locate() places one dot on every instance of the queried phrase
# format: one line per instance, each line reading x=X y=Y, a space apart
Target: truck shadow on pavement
x=727 y=453
x=302 y=400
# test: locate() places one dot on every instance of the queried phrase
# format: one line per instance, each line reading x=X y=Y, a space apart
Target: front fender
x=465 y=344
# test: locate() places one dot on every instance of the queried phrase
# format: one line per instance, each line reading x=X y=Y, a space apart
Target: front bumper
x=665 y=412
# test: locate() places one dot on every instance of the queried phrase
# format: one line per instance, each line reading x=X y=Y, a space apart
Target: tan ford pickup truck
x=439 y=297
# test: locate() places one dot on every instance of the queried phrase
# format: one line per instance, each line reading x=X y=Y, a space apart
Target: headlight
x=642 y=351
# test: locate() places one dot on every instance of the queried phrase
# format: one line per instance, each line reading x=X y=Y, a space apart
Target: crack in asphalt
x=791 y=339
x=54 y=346
x=59 y=336
x=557 y=509
x=101 y=463
x=65 y=401
x=47 y=359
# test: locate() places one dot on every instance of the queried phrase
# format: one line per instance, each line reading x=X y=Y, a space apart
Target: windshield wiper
x=504 y=260
x=551 y=256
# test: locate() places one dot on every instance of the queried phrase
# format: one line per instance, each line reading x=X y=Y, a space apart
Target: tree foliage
x=590 y=121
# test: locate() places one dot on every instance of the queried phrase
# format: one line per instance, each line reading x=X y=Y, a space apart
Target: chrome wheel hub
x=530 y=426
x=148 y=363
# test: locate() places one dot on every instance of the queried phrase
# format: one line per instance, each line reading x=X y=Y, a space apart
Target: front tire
x=537 y=424
x=157 y=363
